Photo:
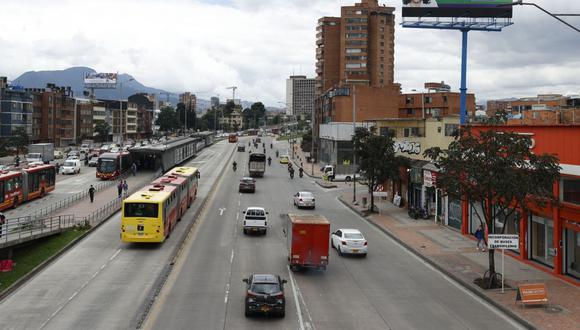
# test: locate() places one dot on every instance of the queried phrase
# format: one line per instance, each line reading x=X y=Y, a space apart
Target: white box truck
x=40 y=152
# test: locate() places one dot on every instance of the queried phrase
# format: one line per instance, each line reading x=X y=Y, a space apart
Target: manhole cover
x=553 y=309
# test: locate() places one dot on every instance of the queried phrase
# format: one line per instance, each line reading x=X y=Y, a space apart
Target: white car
x=105 y=148
x=304 y=199
x=114 y=149
x=58 y=154
x=71 y=166
x=349 y=241
x=255 y=220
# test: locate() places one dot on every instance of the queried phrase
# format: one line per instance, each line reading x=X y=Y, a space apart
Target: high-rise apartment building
x=190 y=100
x=215 y=101
x=300 y=96
x=356 y=48
x=15 y=109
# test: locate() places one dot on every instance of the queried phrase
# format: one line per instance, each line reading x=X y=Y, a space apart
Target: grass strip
x=29 y=256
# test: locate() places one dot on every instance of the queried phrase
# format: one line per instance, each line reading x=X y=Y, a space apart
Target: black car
x=265 y=294
x=247 y=184
x=241 y=147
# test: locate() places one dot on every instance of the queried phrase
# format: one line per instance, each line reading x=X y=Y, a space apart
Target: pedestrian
x=134 y=169
x=92 y=193
x=2 y=221
x=126 y=188
x=479 y=236
x=120 y=188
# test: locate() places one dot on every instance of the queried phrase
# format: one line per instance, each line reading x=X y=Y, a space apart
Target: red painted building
x=549 y=236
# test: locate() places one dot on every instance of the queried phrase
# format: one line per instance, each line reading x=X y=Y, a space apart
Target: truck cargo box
x=308 y=239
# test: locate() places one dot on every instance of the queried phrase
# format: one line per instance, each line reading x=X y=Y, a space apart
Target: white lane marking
x=239 y=202
x=115 y=255
x=237 y=216
x=228 y=284
x=296 y=302
x=222 y=209
x=232 y=257
x=84 y=285
x=494 y=310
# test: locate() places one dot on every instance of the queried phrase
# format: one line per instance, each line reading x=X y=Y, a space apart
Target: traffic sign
x=501 y=241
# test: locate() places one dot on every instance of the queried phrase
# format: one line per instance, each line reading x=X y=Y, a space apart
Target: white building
x=300 y=96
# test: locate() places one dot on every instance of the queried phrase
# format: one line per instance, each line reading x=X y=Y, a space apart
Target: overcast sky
x=206 y=46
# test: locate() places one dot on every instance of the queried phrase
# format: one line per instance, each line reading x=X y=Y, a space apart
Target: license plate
x=265 y=309
x=354 y=250
x=254 y=229
x=140 y=228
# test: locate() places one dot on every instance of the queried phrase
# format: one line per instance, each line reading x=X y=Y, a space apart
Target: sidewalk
x=457 y=256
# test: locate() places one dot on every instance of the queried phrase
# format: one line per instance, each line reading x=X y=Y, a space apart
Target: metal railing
x=17 y=230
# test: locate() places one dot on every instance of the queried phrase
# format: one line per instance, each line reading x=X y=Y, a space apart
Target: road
x=390 y=289
x=103 y=283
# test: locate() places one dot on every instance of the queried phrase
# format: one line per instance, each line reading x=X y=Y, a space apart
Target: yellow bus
x=192 y=175
x=149 y=215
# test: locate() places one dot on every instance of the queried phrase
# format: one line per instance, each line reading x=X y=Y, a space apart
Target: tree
x=102 y=128
x=376 y=158
x=167 y=120
x=181 y=115
x=277 y=120
x=19 y=139
x=306 y=143
x=499 y=171
x=258 y=111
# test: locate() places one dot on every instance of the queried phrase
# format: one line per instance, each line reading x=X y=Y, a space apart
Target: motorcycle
x=271 y=146
x=235 y=167
x=301 y=173
x=276 y=153
x=269 y=161
x=292 y=175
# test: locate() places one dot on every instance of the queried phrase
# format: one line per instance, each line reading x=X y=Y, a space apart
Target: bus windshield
x=107 y=165
x=141 y=210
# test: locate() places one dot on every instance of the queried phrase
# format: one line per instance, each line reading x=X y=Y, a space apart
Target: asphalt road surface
x=103 y=283
x=390 y=289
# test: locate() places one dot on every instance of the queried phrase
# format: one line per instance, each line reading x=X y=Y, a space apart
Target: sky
x=205 y=46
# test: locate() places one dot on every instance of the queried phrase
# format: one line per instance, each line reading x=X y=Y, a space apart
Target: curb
x=435 y=265
x=332 y=185
x=145 y=308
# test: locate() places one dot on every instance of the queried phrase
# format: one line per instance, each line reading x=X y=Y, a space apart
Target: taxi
x=284 y=159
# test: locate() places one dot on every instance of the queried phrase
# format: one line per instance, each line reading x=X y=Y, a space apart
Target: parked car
x=71 y=166
x=265 y=294
x=93 y=161
x=247 y=184
x=349 y=241
x=255 y=220
x=58 y=154
x=304 y=199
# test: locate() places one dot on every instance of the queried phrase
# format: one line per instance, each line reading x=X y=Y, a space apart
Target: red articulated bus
x=21 y=185
x=192 y=176
x=113 y=164
x=233 y=138
x=181 y=189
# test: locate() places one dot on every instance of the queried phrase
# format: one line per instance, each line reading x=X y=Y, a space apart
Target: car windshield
x=107 y=165
x=71 y=164
x=141 y=210
x=353 y=236
x=306 y=195
x=265 y=288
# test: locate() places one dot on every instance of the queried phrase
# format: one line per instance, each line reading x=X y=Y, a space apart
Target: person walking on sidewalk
x=120 y=188
x=134 y=169
x=2 y=221
x=126 y=188
x=92 y=193
x=479 y=235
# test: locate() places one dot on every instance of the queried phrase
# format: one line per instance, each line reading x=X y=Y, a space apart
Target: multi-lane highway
x=105 y=284
x=390 y=289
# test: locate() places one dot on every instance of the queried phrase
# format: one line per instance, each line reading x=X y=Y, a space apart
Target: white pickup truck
x=329 y=171
x=255 y=220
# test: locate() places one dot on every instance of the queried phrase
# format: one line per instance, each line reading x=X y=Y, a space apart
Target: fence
x=17 y=230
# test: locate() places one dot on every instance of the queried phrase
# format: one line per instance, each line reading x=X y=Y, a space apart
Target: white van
x=71 y=166
x=255 y=220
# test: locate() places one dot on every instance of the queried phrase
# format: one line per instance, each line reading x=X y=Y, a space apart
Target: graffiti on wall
x=408 y=147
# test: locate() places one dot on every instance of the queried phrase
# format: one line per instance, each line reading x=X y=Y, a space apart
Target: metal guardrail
x=22 y=229
x=43 y=212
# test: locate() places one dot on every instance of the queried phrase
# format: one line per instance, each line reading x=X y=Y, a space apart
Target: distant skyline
x=206 y=46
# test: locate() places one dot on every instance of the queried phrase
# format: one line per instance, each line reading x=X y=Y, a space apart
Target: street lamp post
x=353 y=144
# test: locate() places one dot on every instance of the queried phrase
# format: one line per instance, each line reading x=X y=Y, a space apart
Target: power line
x=556 y=16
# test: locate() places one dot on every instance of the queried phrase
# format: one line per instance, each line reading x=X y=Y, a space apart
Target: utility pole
x=353 y=143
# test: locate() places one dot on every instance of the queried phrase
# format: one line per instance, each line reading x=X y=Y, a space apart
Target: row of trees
x=494 y=169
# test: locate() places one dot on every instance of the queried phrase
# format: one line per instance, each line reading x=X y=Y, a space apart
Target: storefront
x=549 y=234
x=454 y=213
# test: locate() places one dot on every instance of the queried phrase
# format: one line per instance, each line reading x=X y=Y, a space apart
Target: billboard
x=457 y=8
x=100 y=80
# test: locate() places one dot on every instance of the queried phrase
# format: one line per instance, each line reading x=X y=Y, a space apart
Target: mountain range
x=74 y=77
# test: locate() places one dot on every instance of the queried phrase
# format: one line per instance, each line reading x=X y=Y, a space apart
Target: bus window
x=141 y=210
x=1 y=191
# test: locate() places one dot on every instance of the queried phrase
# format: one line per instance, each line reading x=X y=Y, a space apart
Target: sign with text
x=532 y=294
x=500 y=241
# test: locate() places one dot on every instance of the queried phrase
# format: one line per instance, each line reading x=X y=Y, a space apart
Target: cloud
x=206 y=46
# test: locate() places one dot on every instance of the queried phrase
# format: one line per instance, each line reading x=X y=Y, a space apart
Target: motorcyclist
x=271 y=146
x=291 y=173
x=276 y=153
x=300 y=172
x=269 y=161
x=235 y=165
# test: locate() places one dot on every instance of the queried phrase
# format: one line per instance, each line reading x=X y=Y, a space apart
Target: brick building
x=437 y=101
x=189 y=99
x=543 y=109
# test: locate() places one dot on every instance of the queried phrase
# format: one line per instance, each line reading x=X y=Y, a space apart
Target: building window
x=381 y=81
x=382 y=44
x=353 y=65
x=382 y=51
x=445 y=98
x=353 y=50
x=356 y=35
x=410 y=111
x=570 y=190
x=409 y=100
x=428 y=99
x=541 y=239
x=451 y=129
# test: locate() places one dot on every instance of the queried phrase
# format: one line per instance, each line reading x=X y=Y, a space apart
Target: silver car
x=304 y=199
